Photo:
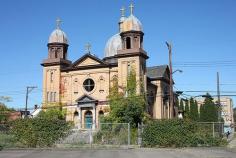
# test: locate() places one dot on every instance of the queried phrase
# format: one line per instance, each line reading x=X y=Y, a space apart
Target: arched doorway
x=88 y=119
x=76 y=118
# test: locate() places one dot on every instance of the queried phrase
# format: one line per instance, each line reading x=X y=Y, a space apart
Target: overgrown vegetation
x=178 y=133
x=4 y=110
x=42 y=131
x=127 y=106
x=208 y=111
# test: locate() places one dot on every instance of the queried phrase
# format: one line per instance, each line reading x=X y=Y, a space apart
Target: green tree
x=4 y=110
x=186 y=109
x=128 y=106
x=55 y=113
x=193 y=114
x=197 y=111
x=208 y=111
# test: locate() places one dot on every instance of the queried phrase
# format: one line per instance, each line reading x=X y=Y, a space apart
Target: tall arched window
x=51 y=76
x=128 y=43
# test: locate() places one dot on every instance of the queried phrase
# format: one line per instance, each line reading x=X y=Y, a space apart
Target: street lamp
x=178 y=70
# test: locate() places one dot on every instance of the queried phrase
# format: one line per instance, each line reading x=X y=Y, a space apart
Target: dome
x=58 y=36
x=132 y=24
x=112 y=45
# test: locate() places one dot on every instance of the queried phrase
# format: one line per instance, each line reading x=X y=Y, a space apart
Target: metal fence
x=106 y=134
x=109 y=134
x=214 y=129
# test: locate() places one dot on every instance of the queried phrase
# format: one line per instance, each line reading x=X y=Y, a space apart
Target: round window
x=88 y=85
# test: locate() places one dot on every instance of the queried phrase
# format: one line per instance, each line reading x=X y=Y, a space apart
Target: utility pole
x=219 y=104
x=28 y=90
x=169 y=46
x=218 y=97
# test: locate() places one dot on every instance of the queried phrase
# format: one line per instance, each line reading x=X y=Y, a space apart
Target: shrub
x=177 y=133
x=39 y=132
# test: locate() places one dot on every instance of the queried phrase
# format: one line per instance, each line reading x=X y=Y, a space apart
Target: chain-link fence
x=166 y=133
x=120 y=134
x=105 y=134
x=216 y=129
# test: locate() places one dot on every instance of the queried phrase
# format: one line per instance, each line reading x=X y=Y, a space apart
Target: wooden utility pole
x=169 y=46
x=218 y=96
x=28 y=90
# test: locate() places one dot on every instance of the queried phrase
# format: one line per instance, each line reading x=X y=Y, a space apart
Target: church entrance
x=88 y=119
x=87 y=112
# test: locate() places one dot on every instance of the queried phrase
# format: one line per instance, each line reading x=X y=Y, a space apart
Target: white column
x=94 y=117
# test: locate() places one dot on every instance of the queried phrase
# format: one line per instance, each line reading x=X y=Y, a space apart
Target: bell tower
x=132 y=54
x=56 y=60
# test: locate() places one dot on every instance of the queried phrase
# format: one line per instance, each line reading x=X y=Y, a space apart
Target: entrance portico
x=87 y=112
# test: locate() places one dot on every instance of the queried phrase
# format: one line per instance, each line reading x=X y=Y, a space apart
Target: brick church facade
x=83 y=86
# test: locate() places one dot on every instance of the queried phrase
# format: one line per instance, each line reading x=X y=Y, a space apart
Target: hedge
x=39 y=132
x=177 y=133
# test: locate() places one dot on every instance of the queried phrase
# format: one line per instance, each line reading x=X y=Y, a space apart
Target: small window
x=128 y=43
x=88 y=85
x=75 y=85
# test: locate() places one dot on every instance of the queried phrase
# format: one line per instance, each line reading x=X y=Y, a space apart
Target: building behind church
x=83 y=86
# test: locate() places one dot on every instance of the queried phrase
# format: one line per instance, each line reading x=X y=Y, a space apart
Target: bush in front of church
x=178 y=133
x=40 y=131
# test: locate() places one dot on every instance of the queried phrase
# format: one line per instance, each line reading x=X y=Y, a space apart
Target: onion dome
x=113 y=45
x=132 y=23
x=58 y=36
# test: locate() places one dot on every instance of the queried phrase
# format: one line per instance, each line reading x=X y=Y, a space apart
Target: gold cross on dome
x=58 y=22
x=131 y=8
x=88 y=47
x=122 y=11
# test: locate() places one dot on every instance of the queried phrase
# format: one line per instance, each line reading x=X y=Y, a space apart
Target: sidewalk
x=232 y=143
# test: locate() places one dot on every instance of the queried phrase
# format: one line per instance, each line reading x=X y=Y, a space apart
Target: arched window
x=56 y=54
x=76 y=113
x=51 y=76
x=128 y=43
x=76 y=117
x=129 y=68
x=101 y=113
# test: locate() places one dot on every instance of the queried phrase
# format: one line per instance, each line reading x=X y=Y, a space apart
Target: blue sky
x=202 y=33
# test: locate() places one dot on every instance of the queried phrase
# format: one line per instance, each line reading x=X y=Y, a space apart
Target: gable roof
x=85 y=98
x=158 y=72
x=85 y=56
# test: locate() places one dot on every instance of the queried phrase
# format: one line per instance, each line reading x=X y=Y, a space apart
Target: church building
x=82 y=86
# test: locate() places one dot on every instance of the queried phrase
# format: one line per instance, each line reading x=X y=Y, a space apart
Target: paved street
x=121 y=153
